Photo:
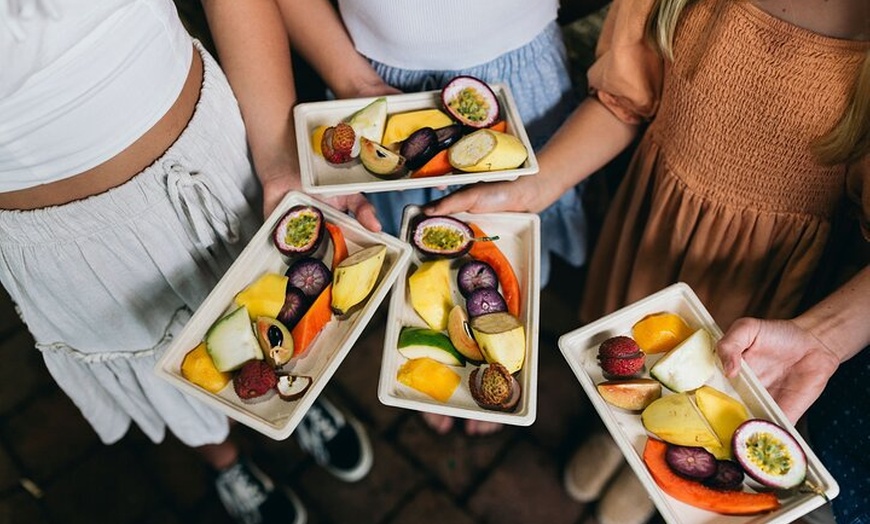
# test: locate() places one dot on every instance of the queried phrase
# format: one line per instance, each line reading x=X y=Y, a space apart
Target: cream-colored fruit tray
x=275 y=417
x=580 y=349
x=321 y=177
x=519 y=240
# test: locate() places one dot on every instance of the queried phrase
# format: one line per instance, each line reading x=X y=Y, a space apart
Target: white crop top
x=81 y=80
x=443 y=34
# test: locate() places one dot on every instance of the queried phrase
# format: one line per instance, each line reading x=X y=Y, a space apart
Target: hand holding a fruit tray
x=795 y=358
x=266 y=93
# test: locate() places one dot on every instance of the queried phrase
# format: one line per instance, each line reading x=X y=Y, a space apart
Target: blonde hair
x=849 y=139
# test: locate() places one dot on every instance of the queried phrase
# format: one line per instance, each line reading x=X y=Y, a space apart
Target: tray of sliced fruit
x=708 y=448
x=467 y=132
x=461 y=337
x=271 y=334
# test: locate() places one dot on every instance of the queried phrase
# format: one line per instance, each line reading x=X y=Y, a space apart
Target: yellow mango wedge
x=429 y=288
x=265 y=296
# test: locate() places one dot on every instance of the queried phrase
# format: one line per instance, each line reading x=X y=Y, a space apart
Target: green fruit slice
x=370 y=121
x=417 y=342
x=689 y=365
x=231 y=341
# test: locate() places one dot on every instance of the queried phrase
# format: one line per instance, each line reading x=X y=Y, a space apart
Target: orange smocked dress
x=723 y=191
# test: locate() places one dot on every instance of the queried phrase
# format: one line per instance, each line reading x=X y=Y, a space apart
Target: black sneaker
x=338 y=442
x=250 y=497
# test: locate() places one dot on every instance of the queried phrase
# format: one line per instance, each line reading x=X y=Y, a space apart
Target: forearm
x=327 y=46
x=841 y=322
x=590 y=138
x=255 y=55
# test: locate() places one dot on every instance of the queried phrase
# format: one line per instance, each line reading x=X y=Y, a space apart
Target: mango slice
x=401 y=125
x=430 y=377
x=264 y=297
x=429 y=288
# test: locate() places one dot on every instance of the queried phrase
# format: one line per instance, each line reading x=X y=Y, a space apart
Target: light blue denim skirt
x=105 y=283
x=537 y=75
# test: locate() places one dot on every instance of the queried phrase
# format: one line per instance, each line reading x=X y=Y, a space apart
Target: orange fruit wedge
x=660 y=332
x=317 y=139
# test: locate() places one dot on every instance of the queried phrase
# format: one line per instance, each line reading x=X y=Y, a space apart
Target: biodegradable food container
x=275 y=417
x=322 y=178
x=519 y=240
x=580 y=349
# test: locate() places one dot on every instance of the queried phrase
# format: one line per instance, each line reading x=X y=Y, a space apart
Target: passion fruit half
x=442 y=236
x=769 y=454
x=470 y=101
x=300 y=231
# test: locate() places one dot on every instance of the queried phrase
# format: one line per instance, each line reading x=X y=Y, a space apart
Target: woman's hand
x=278 y=179
x=522 y=194
x=789 y=360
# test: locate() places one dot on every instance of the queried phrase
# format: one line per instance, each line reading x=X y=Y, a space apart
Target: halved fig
x=728 y=476
x=292 y=387
x=418 y=148
x=494 y=387
x=295 y=304
x=470 y=101
x=475 y=274
x=275 y=340
x=691 y=462
x=300 y=231
x=769 y=454
x=310 y=275
x=483 y=301
x=380 y=161
x=442 y=236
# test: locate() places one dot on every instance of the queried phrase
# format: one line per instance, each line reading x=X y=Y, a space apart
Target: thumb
x=739 y=337
x=453 y=203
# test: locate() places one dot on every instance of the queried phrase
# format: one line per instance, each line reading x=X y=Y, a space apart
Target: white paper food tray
x=275 y=417
x=321 y=177
x=519 y=240
x=580 y=349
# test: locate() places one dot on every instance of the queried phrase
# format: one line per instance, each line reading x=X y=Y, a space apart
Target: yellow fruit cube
x=198 y=368
x=265 y=296
x=429 y=288
x=429 y=376
x=401 y=125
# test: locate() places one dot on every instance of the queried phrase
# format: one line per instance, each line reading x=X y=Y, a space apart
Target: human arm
x=590 y=138
x=255 y=55
x=327 y=46
x=795 y=358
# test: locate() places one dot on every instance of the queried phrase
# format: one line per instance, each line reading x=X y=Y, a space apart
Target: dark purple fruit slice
x=310 y=275
x=442 y=236
x=419 y=147
x=475 y=274
x=470 y=101
x=769 y=454
x=300 y=231
x=728 y=476
x=448 y=135
x=295 y=304
x=483 y=301
x=691 y=462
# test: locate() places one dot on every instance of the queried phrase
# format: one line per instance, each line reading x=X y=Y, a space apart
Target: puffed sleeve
x=627 y=74
x=858 y=190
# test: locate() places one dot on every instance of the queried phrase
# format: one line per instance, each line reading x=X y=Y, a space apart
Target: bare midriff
x=123 y=166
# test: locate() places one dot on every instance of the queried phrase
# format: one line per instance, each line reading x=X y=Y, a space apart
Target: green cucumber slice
x=417 y=342
x=230 y=341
